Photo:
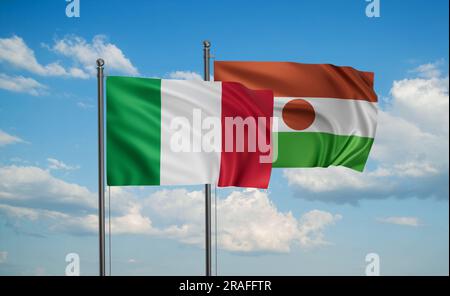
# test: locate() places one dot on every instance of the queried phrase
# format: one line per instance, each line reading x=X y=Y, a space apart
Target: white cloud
x=405 y=221
x=132 y=222
x=429 y=70
x=32 y=185
x=423 y=102
x=84 y=105
x=185 y=75
x=324 y=179
x=86 y=53
x=77 y=73
x=400 y=141
x=54 y=164
x=53 y=220
x=30 y=213
x=7 y=139
x=18 y=160
x=410 y=154
x=87 y=224
x=15 y=52
x=178 y=205
x=22 y=84
x=3 y=256
x=248 y=220
x=312 y=225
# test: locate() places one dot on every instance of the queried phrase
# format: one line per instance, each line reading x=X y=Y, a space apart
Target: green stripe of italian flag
x=327 y=115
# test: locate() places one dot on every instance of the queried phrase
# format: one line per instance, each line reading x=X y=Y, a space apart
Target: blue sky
x=312 y=222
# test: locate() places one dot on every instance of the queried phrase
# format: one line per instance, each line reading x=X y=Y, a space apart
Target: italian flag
x=327 y=115
x=144 y=121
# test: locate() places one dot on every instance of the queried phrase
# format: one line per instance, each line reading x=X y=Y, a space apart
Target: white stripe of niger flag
x=327 y=115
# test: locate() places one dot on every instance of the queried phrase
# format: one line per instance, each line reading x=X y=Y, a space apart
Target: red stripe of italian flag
x=326 y=114
x=147 y=118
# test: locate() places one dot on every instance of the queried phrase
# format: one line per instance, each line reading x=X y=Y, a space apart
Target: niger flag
x=326 y=114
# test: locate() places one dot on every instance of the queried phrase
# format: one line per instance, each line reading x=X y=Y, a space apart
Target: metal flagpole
x=101 y=168
x=206 y=66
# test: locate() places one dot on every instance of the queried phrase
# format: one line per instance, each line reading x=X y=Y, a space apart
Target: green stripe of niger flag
x=311 y=149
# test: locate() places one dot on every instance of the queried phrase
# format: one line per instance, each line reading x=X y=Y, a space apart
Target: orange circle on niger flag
x=298 y=114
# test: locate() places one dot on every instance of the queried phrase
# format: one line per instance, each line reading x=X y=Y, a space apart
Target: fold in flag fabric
x=327 y=115
x=173 y=132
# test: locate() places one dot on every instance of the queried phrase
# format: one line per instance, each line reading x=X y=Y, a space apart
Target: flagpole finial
x=206 y=44
x=100 y=63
